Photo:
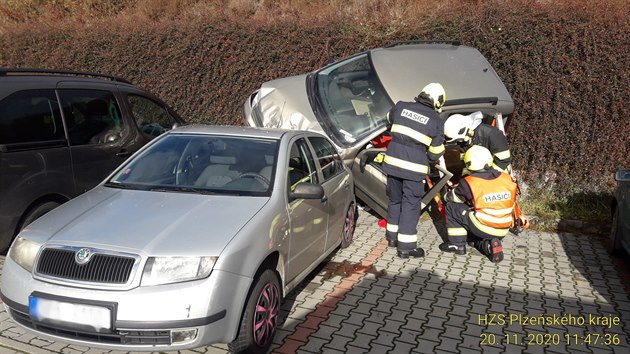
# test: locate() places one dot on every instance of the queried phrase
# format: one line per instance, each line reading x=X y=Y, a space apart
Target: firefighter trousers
x=459 y=226
x=403 y=211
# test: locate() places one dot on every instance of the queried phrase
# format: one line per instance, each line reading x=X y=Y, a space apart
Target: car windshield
x=351 y=99
x=204 y=164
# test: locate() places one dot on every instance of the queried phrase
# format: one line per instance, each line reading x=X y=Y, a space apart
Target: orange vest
x=494 y=200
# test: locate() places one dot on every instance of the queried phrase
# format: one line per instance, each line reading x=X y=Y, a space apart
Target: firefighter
x=480 y=206
x=417 y=133
x=468 y=130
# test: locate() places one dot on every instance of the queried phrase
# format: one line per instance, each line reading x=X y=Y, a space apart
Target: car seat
x=296 y=171
x=220 y=172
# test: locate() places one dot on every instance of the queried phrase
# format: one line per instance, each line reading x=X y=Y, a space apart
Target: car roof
x=405 y=69
x=49 y=78
x=244 y=131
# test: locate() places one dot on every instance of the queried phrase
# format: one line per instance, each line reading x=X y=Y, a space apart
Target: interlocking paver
x=368 y=300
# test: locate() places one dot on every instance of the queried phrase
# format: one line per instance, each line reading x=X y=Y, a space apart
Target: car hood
x=153 y=223
x=284 y=103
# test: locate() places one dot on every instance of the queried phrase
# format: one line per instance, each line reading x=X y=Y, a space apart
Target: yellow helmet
x=478 y=158
x=436 y=94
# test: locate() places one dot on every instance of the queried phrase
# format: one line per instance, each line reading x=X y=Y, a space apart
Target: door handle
x=123 y=153
x=324 y=199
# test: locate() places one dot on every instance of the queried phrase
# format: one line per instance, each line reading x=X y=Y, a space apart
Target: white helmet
x=478 y=158
x=457 y=126
x=436 y=94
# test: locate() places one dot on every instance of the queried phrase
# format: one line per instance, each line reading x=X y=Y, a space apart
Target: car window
x=201 y=163
x=301 y=165
x=151 y=117
x=328 y=157
x=30 y=116
x=352 y=99
x=92 y=116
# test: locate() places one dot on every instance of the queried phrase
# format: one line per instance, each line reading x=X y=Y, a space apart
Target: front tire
x=349 y=225
x=36 y=212
x=260 y=319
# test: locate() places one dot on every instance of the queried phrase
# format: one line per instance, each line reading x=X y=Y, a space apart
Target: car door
x=150 y=116
x=336 y=183
x=371 y=183
x=308 y=218
x=99 y=136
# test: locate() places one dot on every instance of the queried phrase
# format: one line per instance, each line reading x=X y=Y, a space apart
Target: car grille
x=102 y=268
x=117 y=337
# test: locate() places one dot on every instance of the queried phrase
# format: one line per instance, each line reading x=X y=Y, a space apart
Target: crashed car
x=349 y=100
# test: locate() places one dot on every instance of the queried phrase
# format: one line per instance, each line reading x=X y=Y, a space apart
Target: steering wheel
x=184 y=167
x=260 y=178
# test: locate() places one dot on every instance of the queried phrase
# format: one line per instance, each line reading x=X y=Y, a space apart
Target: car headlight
x=166 y=270
x=23 y=252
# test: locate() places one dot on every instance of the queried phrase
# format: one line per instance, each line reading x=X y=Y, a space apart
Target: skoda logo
x=83 y=255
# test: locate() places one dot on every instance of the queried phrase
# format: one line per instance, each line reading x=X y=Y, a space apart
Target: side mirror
x=307 y=191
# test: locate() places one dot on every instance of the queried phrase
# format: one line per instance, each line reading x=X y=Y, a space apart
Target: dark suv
x=62 y=132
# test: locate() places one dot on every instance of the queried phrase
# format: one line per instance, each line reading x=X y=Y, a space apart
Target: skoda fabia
x=194 y=240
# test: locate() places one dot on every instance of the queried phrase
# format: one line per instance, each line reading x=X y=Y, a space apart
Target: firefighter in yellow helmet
x=480 y=207
x=417 y=140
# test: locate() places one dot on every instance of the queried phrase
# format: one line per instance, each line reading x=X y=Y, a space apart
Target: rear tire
x=350 y=223
x=36 y=212
x=260 y=319
x=612 y=241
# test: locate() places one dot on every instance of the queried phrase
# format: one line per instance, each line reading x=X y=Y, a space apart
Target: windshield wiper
x=181 y=189
x=125 y=186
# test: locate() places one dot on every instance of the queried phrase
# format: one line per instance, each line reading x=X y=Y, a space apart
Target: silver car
x=619 y=239
x=349 y=100
x=194 y=240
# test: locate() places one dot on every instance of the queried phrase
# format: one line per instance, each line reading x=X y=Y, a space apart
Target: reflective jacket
x=417 y=138
x=493 y=200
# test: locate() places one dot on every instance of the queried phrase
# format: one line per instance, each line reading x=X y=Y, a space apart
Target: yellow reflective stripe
x=454 y=198
x=392 y=228
x=456 y=231
x=436 y=149
x=406 y=165
x=407 y=238
x=494 y=219
x=502 y=155
x=498 y=168
x=487 y=229
x=379 y=157
x=415 y=135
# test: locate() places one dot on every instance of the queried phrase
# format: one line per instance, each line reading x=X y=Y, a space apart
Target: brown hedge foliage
x=566 y=67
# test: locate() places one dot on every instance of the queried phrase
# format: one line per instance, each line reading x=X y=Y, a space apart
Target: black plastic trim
x=197 y=322
x=5 y=71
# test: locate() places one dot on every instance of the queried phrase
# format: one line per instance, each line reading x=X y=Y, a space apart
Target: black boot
x=457 y=249
x=493 y=249
x=416 y=252
x=392 y=243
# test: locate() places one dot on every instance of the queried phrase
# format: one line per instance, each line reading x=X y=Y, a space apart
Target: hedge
x=567 y=68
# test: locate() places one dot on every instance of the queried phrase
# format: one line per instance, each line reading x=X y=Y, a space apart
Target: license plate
x=71 y=315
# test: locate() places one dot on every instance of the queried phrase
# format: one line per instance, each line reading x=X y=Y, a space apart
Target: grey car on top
x=348 y=101
x=194 y=240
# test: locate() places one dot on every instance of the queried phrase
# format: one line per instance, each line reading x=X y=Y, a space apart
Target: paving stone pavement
x=545 y=297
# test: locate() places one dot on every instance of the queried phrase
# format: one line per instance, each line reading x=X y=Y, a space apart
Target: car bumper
x=143 y=318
